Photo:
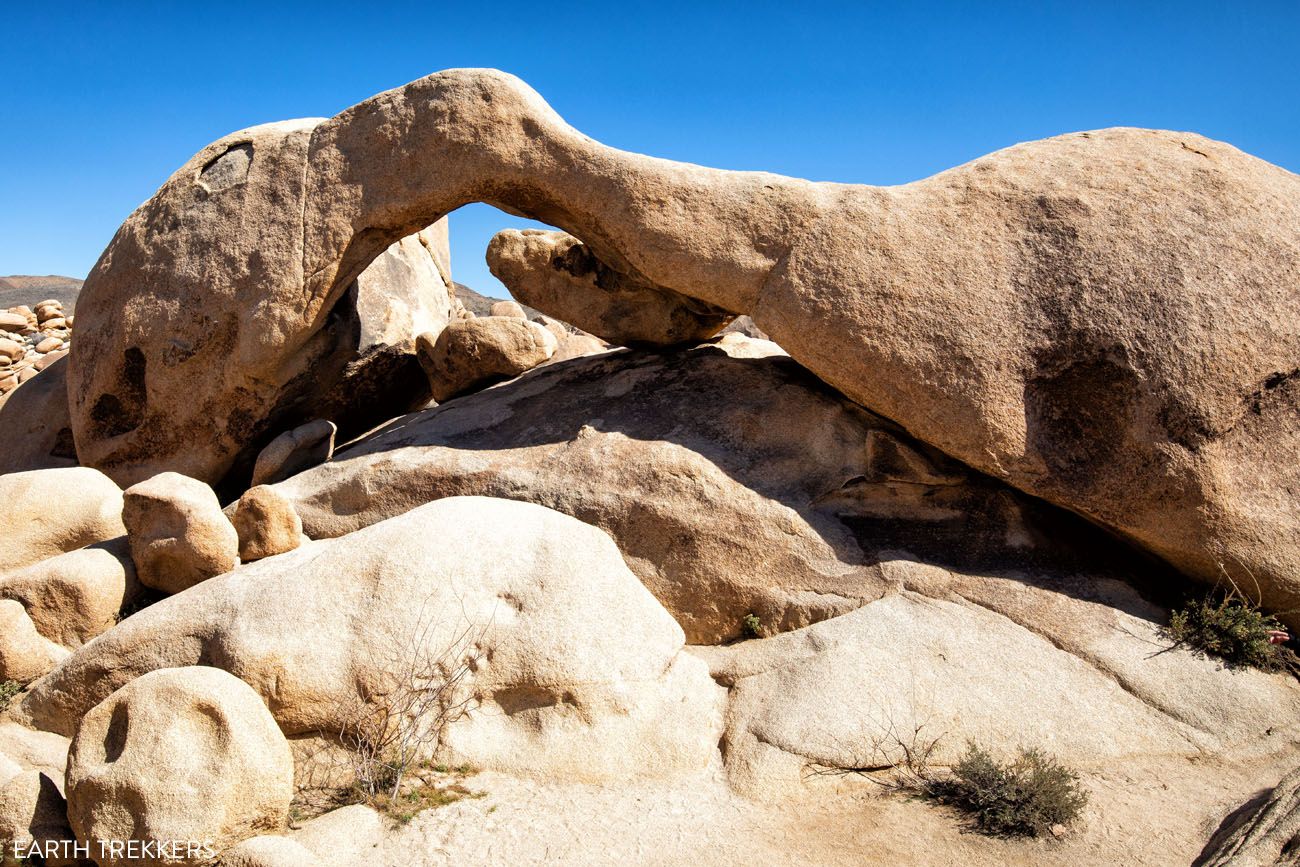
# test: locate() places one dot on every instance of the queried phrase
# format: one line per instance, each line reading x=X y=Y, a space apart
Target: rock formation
x=475 y=353
x=671 y=453
x=693 y=597
x=178 y=756
x=177 y=532
x=1089 y=318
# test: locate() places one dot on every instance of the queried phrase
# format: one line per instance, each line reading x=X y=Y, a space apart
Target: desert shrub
x=751 y=626
x=1025 y=797
x=1231 y=627
x=8 y=690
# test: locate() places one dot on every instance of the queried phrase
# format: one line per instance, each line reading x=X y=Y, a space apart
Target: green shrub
x=751 y=626
x=1023 y=798
x=1228 y=626
x=8 y=690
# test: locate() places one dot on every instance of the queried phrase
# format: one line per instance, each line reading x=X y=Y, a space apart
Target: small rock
x=46 y=360
x=266 y=523
x=12 y=321
x=508 y=308
x=52 y=324
x=178 y=534
x=12 y=349
x=49 y=344
x=295 y=450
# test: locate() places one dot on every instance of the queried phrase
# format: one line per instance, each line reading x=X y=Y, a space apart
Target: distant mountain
x=23 y=289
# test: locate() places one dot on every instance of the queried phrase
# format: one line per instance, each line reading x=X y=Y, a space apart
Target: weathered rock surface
x=294 y=451
x=1264 y=835
x=177 y=532
x=73 y=597
x=472 y=354
x=555 y=272
x=51 y=511
x=266 y=523
x=508 y=308
x=1089 y=317
x=35 y=424
x=32 y=811
x=578 y=671
x=997 y=660
x=269 y=850
x=201 y=292
x=721 y=510
x=25 y=654
x=179 y=754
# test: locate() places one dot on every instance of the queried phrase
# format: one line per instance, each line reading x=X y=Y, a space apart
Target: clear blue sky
x=100 y=102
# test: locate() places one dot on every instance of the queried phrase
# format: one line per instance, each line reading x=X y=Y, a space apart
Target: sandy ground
x=1158 y=813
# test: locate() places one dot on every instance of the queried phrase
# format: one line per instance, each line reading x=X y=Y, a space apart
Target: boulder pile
x=303 y=562
x=30 y=341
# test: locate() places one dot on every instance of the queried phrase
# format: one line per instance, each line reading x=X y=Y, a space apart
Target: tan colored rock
x=32 y=750
x=33 y=812
x=294 y=451
x=49 y=344
x=11 y=349
x=916 y=666
x=73 y=597
x=508 y=308
x=12 y=321
x=178 y=754
x=54 y=324
x=555 y=272
x=177 y=532
x=266 y=523
x=578 y=673
x=35 y=425
x=471 y=354
x=269 y=850
x=557 y=328
x=46 y=361
x=24 y=653
x=1087 y=317
x=25 y=374
x=671 y=452
x=231 y=353
x=578 y=346
x=1265 y=836
x=51 y=511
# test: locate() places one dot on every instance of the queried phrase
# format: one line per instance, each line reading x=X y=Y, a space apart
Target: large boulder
x=555 y=272
x=201 y=293
x=576 y=670
x=187 y=757
x=75 y=596
x=1103 y=319
x=472 y=354
x=734 y=482
x=51 y=511
x=1072 y=664
x=178 y=533
x=34 y=423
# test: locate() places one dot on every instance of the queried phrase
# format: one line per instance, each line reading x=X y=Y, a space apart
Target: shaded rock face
x=35 y=424
x=733 y=481
x=1105 y=320
x=474 y=353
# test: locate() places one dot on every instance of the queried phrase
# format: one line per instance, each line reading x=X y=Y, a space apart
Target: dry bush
x=1024 y=797
x=385 y=741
